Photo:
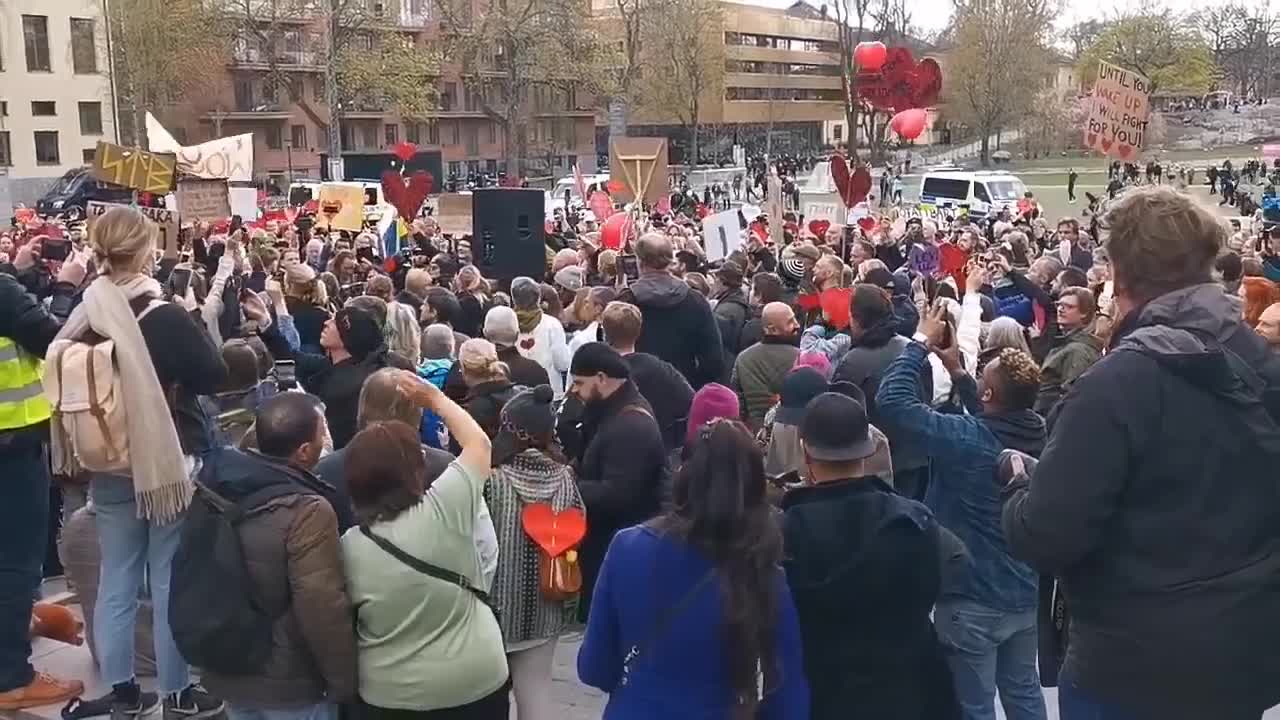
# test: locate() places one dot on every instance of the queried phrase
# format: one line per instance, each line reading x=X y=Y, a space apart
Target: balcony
x=249 y=110
x=257 y=59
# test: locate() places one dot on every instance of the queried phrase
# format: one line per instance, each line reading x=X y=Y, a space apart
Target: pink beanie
x=815 y=360
x=712 y=402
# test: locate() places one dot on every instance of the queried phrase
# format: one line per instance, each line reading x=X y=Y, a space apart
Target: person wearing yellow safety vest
x=26 y=329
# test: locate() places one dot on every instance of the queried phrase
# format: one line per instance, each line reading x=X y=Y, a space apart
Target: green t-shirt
x=425 y=644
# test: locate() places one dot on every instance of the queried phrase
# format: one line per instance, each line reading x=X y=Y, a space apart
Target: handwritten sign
x=1117 y=123
x=203 y=199
x=341 y=206
x=721 y=234
x=167 y=220
x=453 y=212
x=134 y=168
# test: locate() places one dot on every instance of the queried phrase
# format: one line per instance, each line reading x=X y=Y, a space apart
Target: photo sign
x=204 y=199
x=167 y=220
x=1118 y=115
x=134 y=168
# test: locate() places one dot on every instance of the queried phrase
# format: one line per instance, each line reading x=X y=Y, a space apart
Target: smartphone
x=180 y=280
x=286 y=375
x=353 y=290
x=630 y=267
x=55 y=250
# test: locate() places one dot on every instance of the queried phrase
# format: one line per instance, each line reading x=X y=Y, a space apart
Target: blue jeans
x=988 y=650
x=24 y=530
x=323 y=711
x=133 y=551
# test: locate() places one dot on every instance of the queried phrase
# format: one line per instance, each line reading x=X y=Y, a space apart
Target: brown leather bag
x=559 y=577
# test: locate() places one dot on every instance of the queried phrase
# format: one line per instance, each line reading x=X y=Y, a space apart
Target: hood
x=534 y=476
x=879 y=334
x=1022 y=431
x=1082 y=336
x=660 y=289
x=235 y=474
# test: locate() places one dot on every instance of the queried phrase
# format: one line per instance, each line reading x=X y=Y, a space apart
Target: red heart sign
x=1106 y=144
x=1123 y=151
x=902 y=83
x=405 y=151
x=859 y=186
x=1090 y=140
x=867 y=223
x=527 y=343
x=407 y=199
x=554 y=532
x=840 y=176
x=819 y=227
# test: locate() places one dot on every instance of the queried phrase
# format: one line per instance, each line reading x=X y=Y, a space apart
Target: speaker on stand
x=509 y=227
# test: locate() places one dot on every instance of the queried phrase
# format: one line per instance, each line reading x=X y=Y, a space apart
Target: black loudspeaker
x=509 y=229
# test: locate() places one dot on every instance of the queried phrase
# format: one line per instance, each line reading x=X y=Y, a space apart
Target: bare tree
x=850 y=19
x=683 y=60
x=1244 y=41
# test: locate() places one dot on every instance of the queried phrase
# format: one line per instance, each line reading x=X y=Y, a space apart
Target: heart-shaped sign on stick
x=554 y=532
x=407 y=198
x=852 y=186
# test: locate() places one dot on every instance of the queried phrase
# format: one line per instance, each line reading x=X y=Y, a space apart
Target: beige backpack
x=82 y=384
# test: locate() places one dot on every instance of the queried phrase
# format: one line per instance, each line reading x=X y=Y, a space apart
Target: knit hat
x=525 y=293
x=816 y=361
x=713 y=402
x=596 y=357
x=359 y=331
x=570 y=278
x=798 y=388
x=528 y=420
x=501 y=327
x=881 y=278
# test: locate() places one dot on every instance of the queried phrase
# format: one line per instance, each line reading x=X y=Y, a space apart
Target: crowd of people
x=907 y=471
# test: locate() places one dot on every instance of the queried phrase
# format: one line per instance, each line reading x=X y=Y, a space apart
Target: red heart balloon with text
x=554 y=532
x=407 y=198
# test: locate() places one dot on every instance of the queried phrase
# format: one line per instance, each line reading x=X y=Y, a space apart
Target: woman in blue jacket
x=691 y=615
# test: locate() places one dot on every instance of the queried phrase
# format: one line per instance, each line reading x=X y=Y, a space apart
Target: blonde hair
x=123 y=241
x=479 y=361
x=300 y=282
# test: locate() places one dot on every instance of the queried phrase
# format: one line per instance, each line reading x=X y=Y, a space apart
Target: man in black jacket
x=26 y=329
x=731 y=310
x=622 y=465
x=1155 y=500
x=353 y=342
x=666 y=390
x=679 y=326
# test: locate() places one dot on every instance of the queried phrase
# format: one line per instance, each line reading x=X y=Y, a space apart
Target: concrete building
x=290 y=124
x=55 y=93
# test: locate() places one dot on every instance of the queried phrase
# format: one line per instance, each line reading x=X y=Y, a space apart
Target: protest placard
x=134 y=168
x=341 y=206
x=1121 y=104
x=640 y=166
x=167 y=220
x=203 y=199
x=453 y=213
x=722 y=234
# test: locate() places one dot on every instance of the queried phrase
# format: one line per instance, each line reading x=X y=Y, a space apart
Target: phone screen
x=56 y=250
x=180 y=280
x=630 y=267
x=286 y=377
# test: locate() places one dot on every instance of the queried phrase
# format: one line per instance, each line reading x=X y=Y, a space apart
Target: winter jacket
x=757 y=375
x=309 y=320
x=523 y=371
x=339 y=385
x=547 y=346
x=731 y=312
x=294 y=559
x=485 y=402
x=963 y=492
x=667 y=392
x=865 y=567
x=1070 y=357
x=678 y=327
x=1155 y=503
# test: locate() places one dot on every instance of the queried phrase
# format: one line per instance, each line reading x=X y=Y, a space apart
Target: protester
x=766 y=287
x=731 y=308
x=780 y=431
x=588 y=312
x=354 y=347
x=725 y=639
x=502 y=328
x=1004 y=332
x=659 y=382
x=1129 y=506
x=473 y=297
x=1257 y=294
x=1074 y=351
x=306 y=299
x=542 y=337
x=759 y=370
x=865 y=566
x=528 y=470
x=488 y=380
x=425 y=642
x=1269 y=325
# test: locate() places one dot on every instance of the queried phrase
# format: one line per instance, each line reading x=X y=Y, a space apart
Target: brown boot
x=42 y=690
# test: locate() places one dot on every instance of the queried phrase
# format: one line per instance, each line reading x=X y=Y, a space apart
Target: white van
x=983 y=191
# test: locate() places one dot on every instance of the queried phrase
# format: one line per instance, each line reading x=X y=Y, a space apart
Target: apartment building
x=290 y=124
x=55 y=92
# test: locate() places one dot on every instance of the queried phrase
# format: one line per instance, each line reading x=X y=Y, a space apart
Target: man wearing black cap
x=355 y=349
x=622 y=465
x=731 y=307
x=865 y=567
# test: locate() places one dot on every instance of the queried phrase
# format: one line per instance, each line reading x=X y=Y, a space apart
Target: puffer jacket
x=294 y=558
x=758 y=373
x=1071 y=355
x=678 y=327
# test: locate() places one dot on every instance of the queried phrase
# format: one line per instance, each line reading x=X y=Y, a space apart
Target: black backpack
x=217 y=621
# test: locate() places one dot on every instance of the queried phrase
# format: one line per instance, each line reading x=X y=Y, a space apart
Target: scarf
x=529 y=319
x=161 y=485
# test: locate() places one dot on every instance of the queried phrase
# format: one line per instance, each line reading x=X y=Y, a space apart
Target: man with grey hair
x=678 y=326
x=437 y=342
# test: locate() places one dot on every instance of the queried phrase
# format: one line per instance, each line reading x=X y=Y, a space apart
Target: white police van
x=983 y=191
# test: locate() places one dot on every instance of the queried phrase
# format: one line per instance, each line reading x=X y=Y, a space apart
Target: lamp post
x=288 y=153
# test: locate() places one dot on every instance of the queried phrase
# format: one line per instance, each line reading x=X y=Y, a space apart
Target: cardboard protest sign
x=134 y=168
x=453 y=213
x=203 y=199
x=244 y=202
x=721 y=234
x=1118 y=115
x=167 y=220
x=341 y=207
x=773 y=206
x=640 y=165
x=229 y=158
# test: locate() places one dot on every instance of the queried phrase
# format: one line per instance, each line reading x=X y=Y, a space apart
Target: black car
x=71 y=194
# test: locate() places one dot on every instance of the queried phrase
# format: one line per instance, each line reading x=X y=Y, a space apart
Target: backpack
x=82 y=383
x=233 y=635
x=556 y=535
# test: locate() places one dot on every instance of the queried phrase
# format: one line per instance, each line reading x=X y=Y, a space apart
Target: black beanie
x=596 y=357
x=528 y=421
x=359 y=331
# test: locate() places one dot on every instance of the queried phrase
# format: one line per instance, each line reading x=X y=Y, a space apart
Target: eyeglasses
x=1067 y=306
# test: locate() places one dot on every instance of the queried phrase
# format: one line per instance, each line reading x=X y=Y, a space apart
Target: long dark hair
x=720 y=507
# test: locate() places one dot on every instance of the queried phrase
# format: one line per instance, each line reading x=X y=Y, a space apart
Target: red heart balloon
x=870 y=56
x=819 y=227
x=867 y=223
x=407 y=199
x=901 y=83
x=840 y=175
x=926 y=83
x=404 y=150
x=615 y=186
x=859 y=186
x=554 y=532
x=835 y=305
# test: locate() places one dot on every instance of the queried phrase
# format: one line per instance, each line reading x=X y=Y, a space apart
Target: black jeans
x=24 y=520
x=495 y=706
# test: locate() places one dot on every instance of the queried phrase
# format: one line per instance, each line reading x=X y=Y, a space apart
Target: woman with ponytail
x=488 y=380
x=691 y=616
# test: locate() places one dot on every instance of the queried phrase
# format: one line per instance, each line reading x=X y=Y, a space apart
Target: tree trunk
x=985 y=152
x=693 y=161
x=140 y=127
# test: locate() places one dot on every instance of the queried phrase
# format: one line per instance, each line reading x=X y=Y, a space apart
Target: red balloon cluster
x=901 y=83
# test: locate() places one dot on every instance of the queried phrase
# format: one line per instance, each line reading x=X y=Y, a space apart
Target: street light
x=288 y=152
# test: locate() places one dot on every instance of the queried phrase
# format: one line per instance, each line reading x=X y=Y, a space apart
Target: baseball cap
x=835 y=428
x=798 y=387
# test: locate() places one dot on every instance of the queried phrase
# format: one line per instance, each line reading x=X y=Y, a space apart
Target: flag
x=392 y=229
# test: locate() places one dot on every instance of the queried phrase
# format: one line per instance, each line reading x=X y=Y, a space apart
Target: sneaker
x=113 y=705
x=192 y=704
x=42 y=690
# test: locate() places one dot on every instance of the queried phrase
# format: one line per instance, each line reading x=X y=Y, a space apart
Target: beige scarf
x=161 y=485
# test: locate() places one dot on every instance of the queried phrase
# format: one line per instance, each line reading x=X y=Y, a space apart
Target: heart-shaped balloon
x=614 y=231
x=615 y=186
x=840 y=175
x=835 y=305
x=859 y=186
x=867 y=223
x=601 y=206
x=901 y=83
x=819 y=227
x=404 y=150
x=407 y=198
x=554 y=532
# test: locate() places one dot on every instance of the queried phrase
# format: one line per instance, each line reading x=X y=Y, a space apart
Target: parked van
x=983 y=191
x=71 y=194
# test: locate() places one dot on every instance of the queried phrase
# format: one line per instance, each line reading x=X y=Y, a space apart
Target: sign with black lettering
x=167 y=220
x=134 y=168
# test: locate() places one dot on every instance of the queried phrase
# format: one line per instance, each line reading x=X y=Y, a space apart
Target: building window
x=84 y=51
x=433 y=133
x=837 y=132
x=317 y=90
x=4 y=108
x=453 y=132
x=43 y=108
x=455 y=168
x=491 y=167
x=572 y=160
x=298 y=136
x=35 y=36
x=391 y=132
x=87 y=155
x=90 y=118
x=348 y=136
x=493 y=132
x=274 y=139
x=413 y=132
x=368 y=137
x=473 y=140
x=46 y=147
x=6 y=152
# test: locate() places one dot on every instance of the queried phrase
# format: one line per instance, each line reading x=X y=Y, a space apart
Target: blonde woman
x=488 y=380
x=473 y=296
x=308 y=301
x=162 y=353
